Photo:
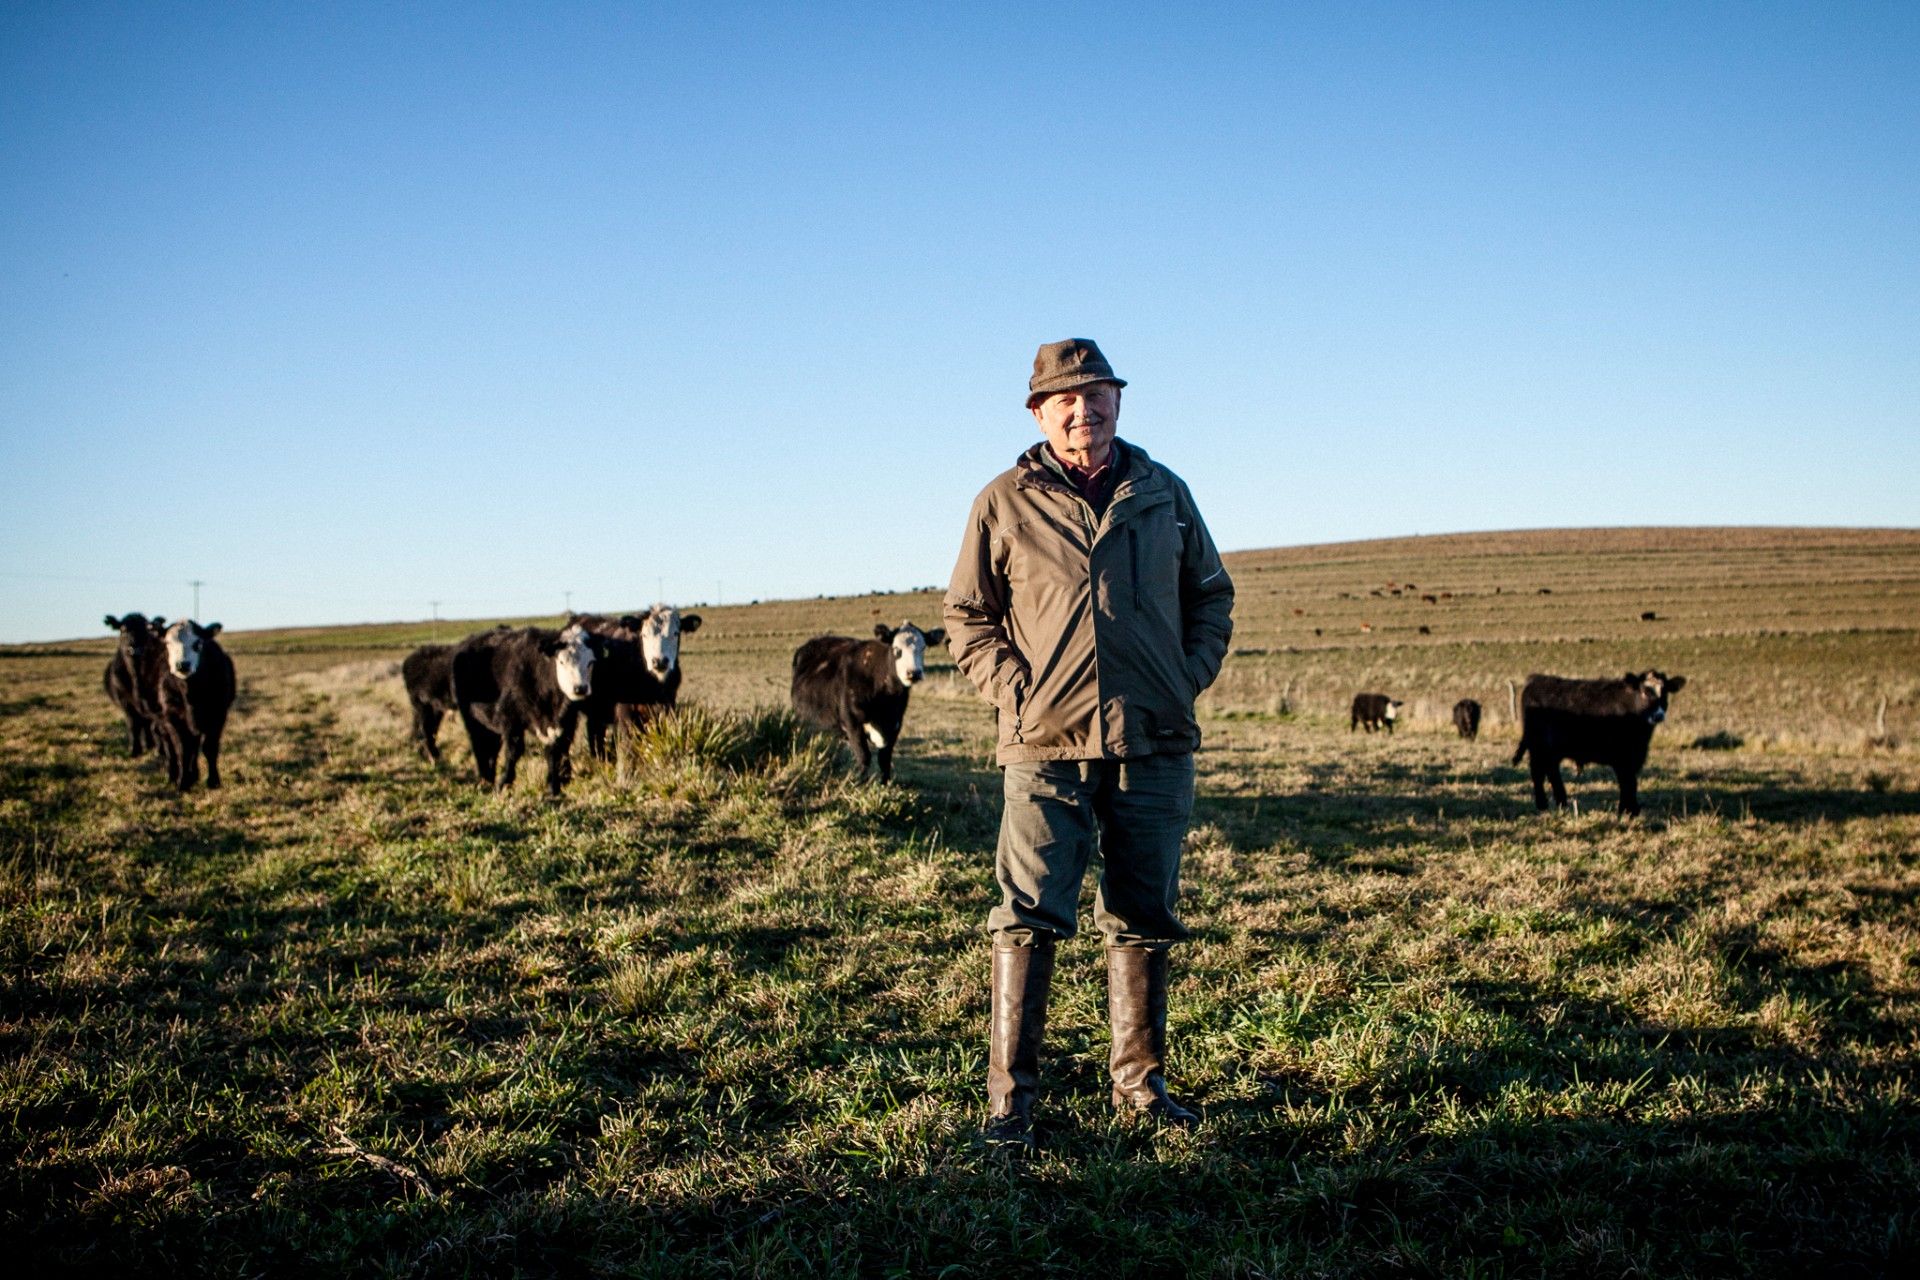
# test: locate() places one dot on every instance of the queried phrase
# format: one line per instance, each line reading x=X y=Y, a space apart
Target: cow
x=196 y=693
x=1466 y=718
x=1649 y=616
x=427 y=673
x=639 y=672
x=508 y=683
x=132 y=677
x=1606 y=722
x=860 y=687
x=1373 y=711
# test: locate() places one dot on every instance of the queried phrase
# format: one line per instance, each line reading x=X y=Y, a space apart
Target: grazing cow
x=1426 y=630
x=1431 y=599
x=1649 y=616
x=1606 y=722
x=509 y=683
x=1373 y=711
x=196 y=693
x=428 y=675
x=639 y=672
x=860 y=687
x=1466 y=718
x=133 y=677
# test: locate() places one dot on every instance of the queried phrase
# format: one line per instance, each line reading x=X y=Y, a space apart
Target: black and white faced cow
x=508 y=684
x=1606 y=722
x=640 y=672
x=133 y=677
x=860 y=687
x=428 y=674
x=1374 y=711
x=196 y=693
x=1466 y=718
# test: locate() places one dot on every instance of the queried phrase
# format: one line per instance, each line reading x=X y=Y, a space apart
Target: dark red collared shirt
x=1095 y=484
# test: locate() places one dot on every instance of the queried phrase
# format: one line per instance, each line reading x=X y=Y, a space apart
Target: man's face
x=1079 y=423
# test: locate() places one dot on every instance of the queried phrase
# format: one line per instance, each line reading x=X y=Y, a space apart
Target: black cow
x=1466 y=718
x=1606 y=722
x=640 y=671
x=428 y=675
x=133 y=677
x=1373 y=711
x=860 y=687
x=196 y=693
x=509 y=683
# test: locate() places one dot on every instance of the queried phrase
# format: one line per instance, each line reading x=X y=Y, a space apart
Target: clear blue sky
x=346 y=309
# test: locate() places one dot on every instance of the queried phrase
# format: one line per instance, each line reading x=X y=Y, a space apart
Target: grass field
x=721 y=1011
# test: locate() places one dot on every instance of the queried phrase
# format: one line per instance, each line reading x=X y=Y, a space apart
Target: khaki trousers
x=1057 y=813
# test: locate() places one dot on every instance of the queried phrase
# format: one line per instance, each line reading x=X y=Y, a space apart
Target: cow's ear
x=937 y=636
x=632 y=621
x=1632 y=677
x=598 y=643
x=549 y=645
x=157 y=623
x=882 y=632
x=211 y=629
x=113 y=623
x=1676 y=683
x=689 y=622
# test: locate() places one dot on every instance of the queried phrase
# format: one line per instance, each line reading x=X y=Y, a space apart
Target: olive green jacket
x=1092 y=637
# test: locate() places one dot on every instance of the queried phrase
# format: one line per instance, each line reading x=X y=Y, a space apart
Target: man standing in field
x=1090 y=607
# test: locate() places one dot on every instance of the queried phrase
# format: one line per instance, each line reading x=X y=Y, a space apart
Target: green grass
x=720 y=1011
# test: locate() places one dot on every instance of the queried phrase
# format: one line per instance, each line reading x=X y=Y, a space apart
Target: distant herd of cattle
x=175 y=686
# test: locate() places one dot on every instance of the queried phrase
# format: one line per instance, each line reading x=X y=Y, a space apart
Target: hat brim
x=1068 y=382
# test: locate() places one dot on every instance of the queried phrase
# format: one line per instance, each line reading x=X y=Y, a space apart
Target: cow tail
x=1520 y=752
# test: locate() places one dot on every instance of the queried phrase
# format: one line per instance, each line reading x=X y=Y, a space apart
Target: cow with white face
x=196 y=692
x=640 y=672
x=509 y=683
x=660 y=634
x=574 y=654
x=860 y=687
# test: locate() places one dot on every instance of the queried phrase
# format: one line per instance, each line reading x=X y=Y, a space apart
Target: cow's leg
x=886 y=762
x=429 y=720
x=1629 y=792
x=1559 y=786
x=857 y=740
x=210 y=748
x=516 y=746
x=189 y=758
x=485 y=743
x=597 y=722
x=1539 y=771
x=560 y=756
x=134 y=744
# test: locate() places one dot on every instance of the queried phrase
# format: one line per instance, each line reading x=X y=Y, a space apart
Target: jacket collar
x=1137 y=475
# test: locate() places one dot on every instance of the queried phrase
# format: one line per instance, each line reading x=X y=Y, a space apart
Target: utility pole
x=196 y=584
x=436 y=620
x=569 y=596
x=659 y=591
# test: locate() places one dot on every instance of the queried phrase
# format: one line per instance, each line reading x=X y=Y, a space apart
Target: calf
x=1466 y=718
x=1606 y=722
x=1373 y=711
x=509 y=683
x=860 y=687
x=428 y=675
x=196 y=693
x=639 y=672
x=133 y=677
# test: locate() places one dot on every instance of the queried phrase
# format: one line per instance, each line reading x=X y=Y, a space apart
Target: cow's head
x=574 y=650
x=136 y=631
x=908 y=645
x=1393 y=708
x=660 y=629
x=186 y=641
x=1651 y=689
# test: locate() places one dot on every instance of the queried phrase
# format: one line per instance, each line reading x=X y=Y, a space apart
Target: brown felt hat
x=1069 y=363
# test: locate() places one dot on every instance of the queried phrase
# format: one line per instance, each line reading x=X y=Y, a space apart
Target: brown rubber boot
x=1137 y=1010
x=1021 y=978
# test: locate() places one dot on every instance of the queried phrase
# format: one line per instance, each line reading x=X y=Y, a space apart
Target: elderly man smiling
x=1090 y=607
